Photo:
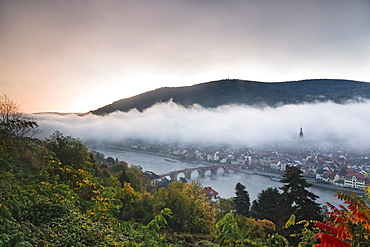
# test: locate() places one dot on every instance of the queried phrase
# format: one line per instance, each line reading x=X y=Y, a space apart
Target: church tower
x=301 y=134
x=301 y=141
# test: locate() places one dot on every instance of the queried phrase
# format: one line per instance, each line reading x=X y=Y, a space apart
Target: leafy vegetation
x=296 y=199
x=56 y=193
x=267 y=206
x=241 y=200
x=346 y=226
x=192 y=212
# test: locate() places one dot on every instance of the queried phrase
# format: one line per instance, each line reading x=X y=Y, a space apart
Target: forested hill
x=223 y=92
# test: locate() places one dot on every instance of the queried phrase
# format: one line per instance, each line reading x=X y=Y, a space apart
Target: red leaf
x=330 y=241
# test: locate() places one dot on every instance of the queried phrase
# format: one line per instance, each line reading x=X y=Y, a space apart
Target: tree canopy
x=241 y=200
x=189 y=205
x=69 y=150
x=296 y=198
x=268 y=206
x=13 y=121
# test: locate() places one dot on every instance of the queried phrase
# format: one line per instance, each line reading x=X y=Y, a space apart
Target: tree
x=296 y=199
x=229 y=231
x=13 y=121
x=192 y=213
x=16 y=130
x=223 y=206
x=346 y=226
x=130 y=175
x=70 y=151
x=267 y=206
x=119 y=166
x=111 y=161
x=242 y=231
x=242 y=200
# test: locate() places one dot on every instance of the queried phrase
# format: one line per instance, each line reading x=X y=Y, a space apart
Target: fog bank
x=236 y=125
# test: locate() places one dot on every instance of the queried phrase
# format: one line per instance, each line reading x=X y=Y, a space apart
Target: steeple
x=301 y=133
x=301 y=143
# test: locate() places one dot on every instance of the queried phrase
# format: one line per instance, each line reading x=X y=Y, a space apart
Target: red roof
x=357 y=175
x=210 y=192
x=330 y=174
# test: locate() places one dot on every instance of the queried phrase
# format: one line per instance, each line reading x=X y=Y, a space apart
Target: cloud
x=231 y=124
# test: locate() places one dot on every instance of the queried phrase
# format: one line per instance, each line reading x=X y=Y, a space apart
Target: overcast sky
x=76 y=56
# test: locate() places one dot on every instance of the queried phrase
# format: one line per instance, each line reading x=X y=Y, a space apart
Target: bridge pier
x=188 y=174
x=201 y=173
x=214 y=170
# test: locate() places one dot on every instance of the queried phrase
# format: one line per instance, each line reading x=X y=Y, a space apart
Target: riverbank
x=123 y=149
x=314 y=183
x=223 y=183
x=156 y=154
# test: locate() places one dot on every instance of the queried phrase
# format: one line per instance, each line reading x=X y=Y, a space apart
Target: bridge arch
x=180 y=175
x=207 y=171
x=225 y=168
x=187 y=172
x=195 y=171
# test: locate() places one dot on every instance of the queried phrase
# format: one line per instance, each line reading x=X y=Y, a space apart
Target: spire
x=301 y=133
x=301 y=143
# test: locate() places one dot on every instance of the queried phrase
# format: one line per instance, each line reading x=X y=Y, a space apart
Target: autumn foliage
x=347 y=226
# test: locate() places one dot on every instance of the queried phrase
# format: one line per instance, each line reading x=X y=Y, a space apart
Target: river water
x=224 y=184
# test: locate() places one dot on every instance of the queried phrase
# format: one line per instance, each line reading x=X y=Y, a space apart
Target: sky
x=77 y=56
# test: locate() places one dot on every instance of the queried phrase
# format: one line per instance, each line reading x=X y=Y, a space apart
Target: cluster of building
x=334 y=165
x=345 y=168
x=338 y=168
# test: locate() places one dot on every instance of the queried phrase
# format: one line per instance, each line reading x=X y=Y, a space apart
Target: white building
x=355 y=180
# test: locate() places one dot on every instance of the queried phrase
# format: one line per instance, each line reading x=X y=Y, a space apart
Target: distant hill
x=223 y=92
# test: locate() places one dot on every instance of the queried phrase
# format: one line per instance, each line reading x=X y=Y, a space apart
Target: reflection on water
x=224 y=184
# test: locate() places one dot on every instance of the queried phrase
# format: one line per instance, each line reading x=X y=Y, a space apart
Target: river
x=224 y=184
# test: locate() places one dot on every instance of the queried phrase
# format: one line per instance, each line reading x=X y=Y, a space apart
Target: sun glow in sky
x=76 y=56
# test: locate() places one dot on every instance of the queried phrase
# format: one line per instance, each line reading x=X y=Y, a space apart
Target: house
x=164 y=182
x=355 y=180
x=213 y=157
x=240 y=161
x=211 y=193
x=265 y=162
x=330 y=177
x=311 y=170
x=154 y=178
x=275 y=166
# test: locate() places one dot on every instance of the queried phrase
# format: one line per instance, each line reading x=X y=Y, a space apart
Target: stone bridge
x=202 y=170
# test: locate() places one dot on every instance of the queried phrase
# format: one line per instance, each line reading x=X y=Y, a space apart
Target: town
x=332 y=165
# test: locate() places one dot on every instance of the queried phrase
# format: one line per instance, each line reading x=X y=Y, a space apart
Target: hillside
x=223 y=92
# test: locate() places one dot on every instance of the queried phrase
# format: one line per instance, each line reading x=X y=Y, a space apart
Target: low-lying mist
x=231 y=124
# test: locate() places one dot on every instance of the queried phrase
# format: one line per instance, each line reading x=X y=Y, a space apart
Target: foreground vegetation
x=56 y=193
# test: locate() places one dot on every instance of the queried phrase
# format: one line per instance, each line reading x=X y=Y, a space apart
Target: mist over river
x=224 y=184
